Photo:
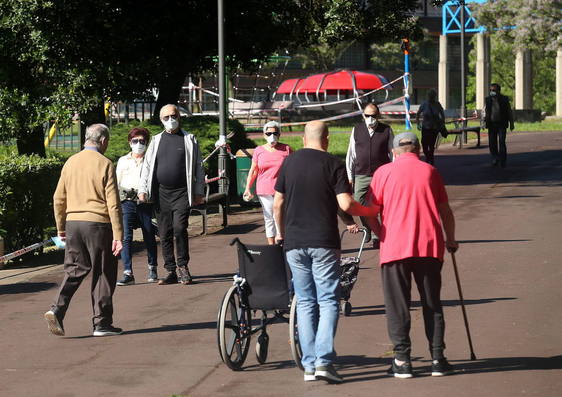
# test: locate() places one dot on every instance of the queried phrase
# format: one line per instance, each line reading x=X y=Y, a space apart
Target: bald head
x=316 y=131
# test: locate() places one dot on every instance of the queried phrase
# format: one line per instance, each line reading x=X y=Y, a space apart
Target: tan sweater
x=87 y=191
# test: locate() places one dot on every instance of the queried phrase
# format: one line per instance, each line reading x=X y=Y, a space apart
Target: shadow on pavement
x=213 y=278
x=25 y=288
x=490 y=241
x=501 y=364
x=521 y=167
x=239 y=229
x=173 y=327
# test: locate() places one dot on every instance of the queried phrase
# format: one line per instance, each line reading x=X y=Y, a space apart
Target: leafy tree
x=62 y=57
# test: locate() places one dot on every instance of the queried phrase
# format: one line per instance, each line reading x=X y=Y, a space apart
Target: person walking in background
x=370 y=146
x=135 y=214
x=88 y=218
x=266 y=161
x=311 y=186
x=172 y=178
x=497 y=117
x=433 y=121
x=415 y=210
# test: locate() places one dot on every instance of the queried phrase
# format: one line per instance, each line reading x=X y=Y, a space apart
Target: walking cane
x=472 y=355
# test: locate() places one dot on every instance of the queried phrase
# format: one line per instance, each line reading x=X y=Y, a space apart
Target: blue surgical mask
x=493 y=93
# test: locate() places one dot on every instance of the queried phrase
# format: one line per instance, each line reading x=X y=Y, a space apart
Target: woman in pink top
x=266 y=161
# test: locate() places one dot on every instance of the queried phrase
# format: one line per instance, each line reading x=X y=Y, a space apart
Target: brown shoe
x=171 y=278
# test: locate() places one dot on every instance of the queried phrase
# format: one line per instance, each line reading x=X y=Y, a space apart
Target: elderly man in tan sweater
x=88 y=218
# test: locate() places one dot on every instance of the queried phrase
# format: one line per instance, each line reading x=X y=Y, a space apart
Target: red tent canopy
x=342 y=80
x=289 y=86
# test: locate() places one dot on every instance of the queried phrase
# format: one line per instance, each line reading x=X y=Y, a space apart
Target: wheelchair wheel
x=296 y=351
x=234 y=330
x=261 y=347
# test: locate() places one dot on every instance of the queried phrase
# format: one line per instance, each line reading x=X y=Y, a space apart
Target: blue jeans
x=135 y=215
x=316 y=279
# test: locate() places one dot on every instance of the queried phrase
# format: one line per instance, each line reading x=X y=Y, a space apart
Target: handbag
x=443 y=131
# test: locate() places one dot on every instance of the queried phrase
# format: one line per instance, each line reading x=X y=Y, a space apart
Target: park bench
x=461 y=134
x=221 y=199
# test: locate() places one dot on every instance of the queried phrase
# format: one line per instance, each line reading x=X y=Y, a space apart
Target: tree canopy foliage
x=61 y=57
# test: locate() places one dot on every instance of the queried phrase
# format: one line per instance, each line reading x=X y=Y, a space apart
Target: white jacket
x=193 y=166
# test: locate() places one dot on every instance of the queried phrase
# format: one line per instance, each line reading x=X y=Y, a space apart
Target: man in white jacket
x=172 y=177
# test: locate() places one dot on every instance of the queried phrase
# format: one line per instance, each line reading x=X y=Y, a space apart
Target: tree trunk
x=93 y=116
x=169 y=92
x=32 y=142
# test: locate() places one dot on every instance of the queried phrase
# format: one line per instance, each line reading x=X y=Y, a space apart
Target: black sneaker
x=171 y=278
x=107 y=331
x=441 y=367
x=54 y=323
x=128 y=279
x=152 y=275
x=328 y=373
x=184 y=276
x=403 y=371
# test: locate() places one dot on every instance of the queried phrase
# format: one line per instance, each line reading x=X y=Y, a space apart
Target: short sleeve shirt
x=268 y=164
x=409 y=192
x=310 y=181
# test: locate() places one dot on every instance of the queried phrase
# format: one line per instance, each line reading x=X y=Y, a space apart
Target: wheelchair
x=262 y=287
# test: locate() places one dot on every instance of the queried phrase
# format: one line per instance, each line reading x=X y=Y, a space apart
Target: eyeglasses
x=271 y=133
x=369 y=115
x=138 y=140
x=166 y=118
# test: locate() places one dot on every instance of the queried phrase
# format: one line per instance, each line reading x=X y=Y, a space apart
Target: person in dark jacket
x=433 y=120
x=370 y=146
x=497 y=117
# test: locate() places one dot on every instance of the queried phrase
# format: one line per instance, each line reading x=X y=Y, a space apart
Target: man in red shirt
x=414 y=211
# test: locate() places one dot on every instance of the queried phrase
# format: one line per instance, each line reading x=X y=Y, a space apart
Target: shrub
x=27 y=184
x=205 y=129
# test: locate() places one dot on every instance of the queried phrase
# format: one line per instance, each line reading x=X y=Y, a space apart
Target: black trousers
x=88 y=247
x=496 y=142
x=172 y=214
x=397 y=283
x=429 y=137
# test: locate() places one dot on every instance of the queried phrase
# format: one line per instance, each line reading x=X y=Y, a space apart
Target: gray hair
x=170 y=105
x=96 y=133
x=271 y=124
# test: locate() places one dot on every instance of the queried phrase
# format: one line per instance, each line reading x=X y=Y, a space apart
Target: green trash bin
x=243 y=164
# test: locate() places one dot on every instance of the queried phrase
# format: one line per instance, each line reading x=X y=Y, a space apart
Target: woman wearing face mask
x=266 y=161
x=135 y=214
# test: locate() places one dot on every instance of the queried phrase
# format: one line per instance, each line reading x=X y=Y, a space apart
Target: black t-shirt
x=310 y=180
x=170 y=161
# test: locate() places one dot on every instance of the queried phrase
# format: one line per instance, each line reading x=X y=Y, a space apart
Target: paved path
x=509 y=261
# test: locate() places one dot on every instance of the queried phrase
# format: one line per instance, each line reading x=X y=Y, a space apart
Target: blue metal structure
x=451 y=17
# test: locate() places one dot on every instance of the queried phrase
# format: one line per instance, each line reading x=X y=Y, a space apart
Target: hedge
x=205 y=129
x=27 y=184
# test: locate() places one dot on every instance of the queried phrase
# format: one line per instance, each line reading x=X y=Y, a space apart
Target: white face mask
x=493 y=93
x=170 y=124
x=138 y=148
x=272 y=139
x=371 y=122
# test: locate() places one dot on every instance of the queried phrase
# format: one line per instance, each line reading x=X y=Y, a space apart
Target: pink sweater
x=268 y=164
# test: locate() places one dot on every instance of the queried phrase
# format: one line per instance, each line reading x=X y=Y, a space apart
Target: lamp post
x=222 y=100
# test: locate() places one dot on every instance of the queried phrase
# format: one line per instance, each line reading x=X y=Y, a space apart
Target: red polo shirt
x=408 y=191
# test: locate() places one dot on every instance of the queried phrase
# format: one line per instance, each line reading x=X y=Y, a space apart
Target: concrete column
x=523 y=80
x=482 y=68
x=443 y=88
x=559 y=83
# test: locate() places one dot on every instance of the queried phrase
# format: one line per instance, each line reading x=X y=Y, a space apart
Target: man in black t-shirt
x=312 y=184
